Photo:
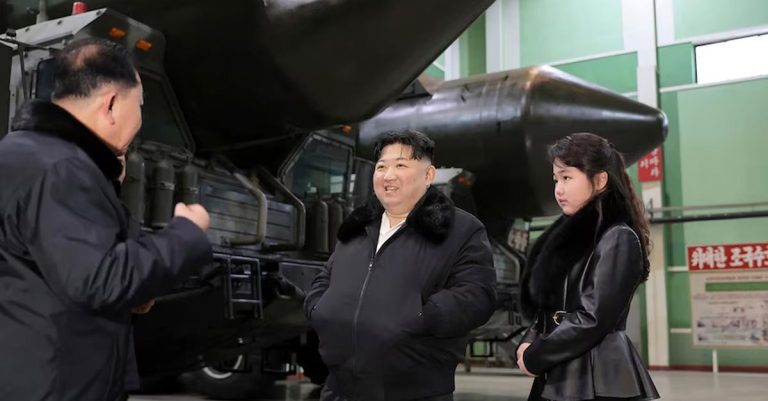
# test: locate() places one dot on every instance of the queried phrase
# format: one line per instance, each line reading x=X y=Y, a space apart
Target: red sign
x=651 y=166
x=727 y=257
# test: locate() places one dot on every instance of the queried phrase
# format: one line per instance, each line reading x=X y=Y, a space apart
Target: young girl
x=582 y=273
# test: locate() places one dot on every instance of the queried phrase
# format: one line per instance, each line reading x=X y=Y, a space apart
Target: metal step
x=242 y=273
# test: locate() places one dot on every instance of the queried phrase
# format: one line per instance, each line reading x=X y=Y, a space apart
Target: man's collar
x=432 y=217
x=46 y=117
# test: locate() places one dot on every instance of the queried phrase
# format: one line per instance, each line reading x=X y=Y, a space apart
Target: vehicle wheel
x=215 y=381
x=309 y=359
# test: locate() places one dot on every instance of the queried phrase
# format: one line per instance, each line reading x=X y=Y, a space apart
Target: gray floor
x=507 y=385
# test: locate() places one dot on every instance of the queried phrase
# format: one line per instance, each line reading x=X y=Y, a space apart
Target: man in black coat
x=410 y=276
x=71 y=269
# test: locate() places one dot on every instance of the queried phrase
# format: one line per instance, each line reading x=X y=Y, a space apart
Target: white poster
x=729 y=302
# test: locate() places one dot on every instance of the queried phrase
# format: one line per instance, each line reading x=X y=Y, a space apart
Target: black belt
x=559 y=316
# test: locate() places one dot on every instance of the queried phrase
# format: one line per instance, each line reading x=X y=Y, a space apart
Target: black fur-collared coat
x=393 y=324
x=588 y=355
x=72 y=264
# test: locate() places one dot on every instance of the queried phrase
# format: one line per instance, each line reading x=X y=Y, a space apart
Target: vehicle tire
x=310 y=361
x=215 y=382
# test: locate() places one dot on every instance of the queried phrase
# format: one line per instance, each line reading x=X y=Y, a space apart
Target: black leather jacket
x=586 y=354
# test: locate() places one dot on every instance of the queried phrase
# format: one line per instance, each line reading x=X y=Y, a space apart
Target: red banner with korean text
x=651 y=166
x=727 y=257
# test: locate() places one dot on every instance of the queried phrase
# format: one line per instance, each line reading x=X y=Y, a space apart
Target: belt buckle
x=558 y=317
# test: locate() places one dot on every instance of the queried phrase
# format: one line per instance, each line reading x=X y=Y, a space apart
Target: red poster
x=651 y=166
x=727 y=257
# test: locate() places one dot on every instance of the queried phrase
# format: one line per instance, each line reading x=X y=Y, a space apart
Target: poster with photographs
x=729 y=295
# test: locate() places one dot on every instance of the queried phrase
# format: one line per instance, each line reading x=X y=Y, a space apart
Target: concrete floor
x=508 y=385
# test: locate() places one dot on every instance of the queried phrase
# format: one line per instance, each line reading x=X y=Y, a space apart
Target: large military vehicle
x=264 y=112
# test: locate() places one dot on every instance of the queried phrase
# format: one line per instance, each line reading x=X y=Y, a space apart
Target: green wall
x=704 y=17
x=723 y=147
x=435 y=71
x=682 y=353
x=471 y=53
x=555 y=30
x=714 y=154
x=617 y=73
x=715 y=133
x=716 y=145
x=677 y=65
x=472 y=49
x=441 y=60
x=674 y=234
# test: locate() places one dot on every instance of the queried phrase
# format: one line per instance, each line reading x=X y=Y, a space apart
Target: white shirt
x=386 y=232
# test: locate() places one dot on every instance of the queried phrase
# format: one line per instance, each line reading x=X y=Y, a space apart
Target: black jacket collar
x=46 y=117
x=432 y=217
x=568 y=241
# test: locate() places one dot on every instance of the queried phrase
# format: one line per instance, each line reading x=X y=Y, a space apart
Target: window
x=44 y=80
x=506 y=264
x=321 y=169
x=159 y=123
x=733 y=59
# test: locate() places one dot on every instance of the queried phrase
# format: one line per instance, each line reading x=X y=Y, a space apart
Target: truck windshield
x=158 y=121
x=322 y=169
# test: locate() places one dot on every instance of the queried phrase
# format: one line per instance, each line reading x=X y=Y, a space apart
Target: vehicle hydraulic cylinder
x=162 y=194
x=134 y=185
x=189 y=185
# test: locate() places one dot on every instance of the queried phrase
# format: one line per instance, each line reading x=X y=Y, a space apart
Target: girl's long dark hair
x=593 y=154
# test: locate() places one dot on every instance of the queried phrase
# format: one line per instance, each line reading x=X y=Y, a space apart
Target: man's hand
x=196 y=213
x=142 y=309
x=520 y=362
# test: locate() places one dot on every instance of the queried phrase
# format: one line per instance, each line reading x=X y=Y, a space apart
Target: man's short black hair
x=421 y=146
x=86 y=64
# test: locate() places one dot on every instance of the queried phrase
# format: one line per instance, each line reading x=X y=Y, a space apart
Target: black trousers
x=328 y=395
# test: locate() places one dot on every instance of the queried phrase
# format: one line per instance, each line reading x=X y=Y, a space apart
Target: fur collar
x=46 y=117
x=565 y=244
x=432 y=217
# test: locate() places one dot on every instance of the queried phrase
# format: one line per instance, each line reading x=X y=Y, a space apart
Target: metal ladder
x=246 y=274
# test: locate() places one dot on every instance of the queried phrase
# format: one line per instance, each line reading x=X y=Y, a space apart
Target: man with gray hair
x=71 y=269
